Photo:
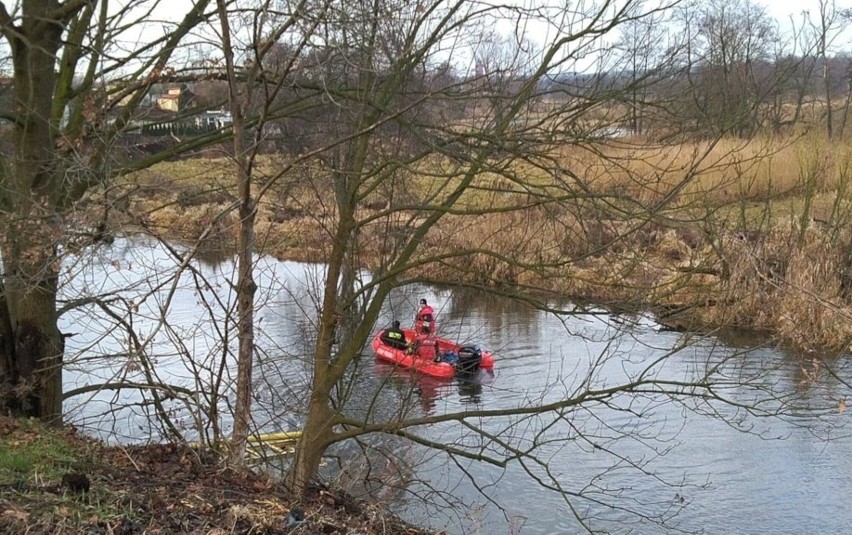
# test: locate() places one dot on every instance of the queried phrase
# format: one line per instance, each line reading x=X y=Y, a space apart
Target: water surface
x=640 y=462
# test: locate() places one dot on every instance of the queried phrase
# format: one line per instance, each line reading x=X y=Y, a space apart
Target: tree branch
x=5 y=17
x=169 y=389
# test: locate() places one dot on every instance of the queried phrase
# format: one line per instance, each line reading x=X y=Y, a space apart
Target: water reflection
x=210 y=255
x=432 y=393
x=730 y=478
x=470 y=387
x=492 y=313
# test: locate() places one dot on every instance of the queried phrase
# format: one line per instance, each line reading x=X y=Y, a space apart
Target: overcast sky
x=782 y=9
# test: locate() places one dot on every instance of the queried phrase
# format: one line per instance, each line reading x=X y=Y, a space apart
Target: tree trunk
x=31 y=367
x=32 y=370
x=32 y=191
x=318 y=432
x=841 y=130
x=246 y=286
x=826 y=79
x=316 y=437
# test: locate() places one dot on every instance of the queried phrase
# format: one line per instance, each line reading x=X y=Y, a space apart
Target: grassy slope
x=155 y=490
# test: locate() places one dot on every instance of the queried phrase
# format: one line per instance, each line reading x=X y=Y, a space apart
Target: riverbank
x=54 y=481
x=768 y=250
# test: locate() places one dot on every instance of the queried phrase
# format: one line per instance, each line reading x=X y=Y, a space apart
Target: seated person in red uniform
x=394 y=337
x=427 y=348
x=424 y=321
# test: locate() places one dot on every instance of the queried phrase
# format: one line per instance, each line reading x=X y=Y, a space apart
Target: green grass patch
x=35 y=451
x=15 y=463
x=34 y=497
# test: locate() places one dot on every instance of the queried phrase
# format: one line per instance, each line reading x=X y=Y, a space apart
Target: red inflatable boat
x=433 y=356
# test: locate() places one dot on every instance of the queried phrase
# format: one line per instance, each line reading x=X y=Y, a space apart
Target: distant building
x=113 y=89
x=176 y=99
x=213 y=119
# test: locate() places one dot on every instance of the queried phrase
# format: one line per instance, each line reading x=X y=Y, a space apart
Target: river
x=643 y=463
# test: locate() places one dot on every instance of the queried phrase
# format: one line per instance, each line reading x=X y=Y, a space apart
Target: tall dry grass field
x=748 y=233
x=716 y=172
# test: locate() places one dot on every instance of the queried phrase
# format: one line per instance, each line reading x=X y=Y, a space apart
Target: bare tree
x=641 y=42
x=391 y=183
x=729 y=46
x=255 y=84
x=245 y=283
x=54 y=158
x=829 y=24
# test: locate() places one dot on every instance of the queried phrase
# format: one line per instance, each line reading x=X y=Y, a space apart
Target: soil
x=162 y=490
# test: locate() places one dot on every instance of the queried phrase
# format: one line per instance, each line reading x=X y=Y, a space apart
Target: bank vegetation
x=758 y=237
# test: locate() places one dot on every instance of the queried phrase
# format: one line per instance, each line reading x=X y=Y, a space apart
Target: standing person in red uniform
x=424 y=320
x=425 y=326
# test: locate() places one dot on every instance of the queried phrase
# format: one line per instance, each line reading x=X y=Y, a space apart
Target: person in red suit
x=424 y=320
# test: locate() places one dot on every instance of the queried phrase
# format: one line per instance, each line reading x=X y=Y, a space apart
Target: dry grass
x=789 y=283
x=717 y=173
x=737 y=213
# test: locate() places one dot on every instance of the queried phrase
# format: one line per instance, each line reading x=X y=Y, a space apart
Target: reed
x=744 y=233
x=793 y=287
x=717 y=172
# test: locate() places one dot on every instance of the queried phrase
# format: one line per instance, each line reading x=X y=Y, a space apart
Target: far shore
x=778 y=265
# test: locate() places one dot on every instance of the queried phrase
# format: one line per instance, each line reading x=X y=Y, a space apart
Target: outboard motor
x=469 y=358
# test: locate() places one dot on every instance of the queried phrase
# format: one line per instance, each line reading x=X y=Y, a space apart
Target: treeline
x=700 y=70
x=727 y=68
